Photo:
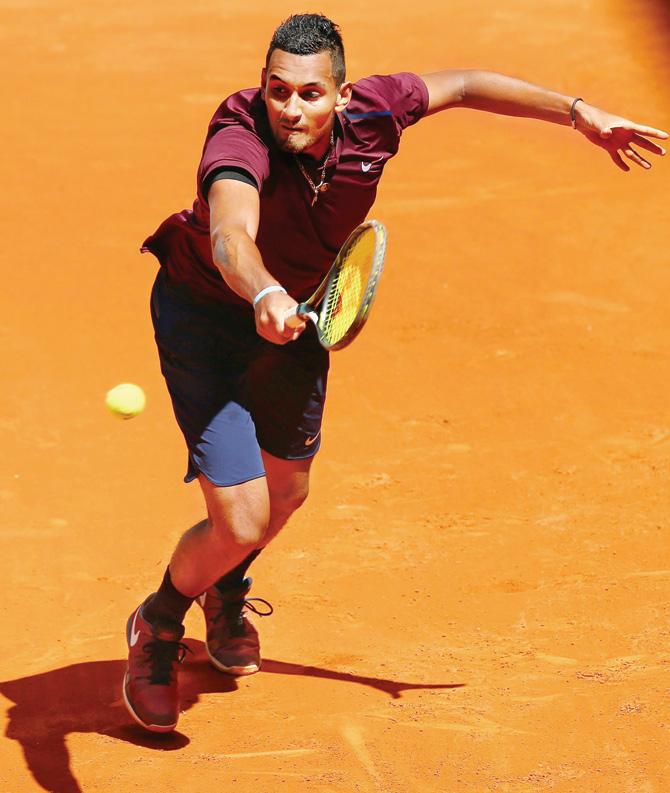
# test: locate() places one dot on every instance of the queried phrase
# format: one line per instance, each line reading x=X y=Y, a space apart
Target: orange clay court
x=475 y=597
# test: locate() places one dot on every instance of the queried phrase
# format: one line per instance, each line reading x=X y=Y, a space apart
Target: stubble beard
x=296 y=144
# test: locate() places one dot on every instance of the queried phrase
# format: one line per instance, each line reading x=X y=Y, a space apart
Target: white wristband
x=266 y=291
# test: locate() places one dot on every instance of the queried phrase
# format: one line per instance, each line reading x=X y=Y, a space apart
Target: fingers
x=650 y=132
x=276 y=336
x=620 y=146
x=649 y=145
x=292 y=326
x=289 y=332
x=618 y=161
x=632 y=155
x=278 y=331
x=292 y=320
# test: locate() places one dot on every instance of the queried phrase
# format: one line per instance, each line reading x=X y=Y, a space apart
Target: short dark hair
x=309 y=34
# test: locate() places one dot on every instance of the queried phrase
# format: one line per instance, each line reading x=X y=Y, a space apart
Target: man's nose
x=292 y=107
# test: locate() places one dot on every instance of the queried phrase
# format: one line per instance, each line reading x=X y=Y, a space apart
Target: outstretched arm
x=497 y=93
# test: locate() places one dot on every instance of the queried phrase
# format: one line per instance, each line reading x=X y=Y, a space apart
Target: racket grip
x=294 y=317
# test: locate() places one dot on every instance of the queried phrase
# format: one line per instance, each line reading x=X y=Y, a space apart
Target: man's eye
x=311 y=95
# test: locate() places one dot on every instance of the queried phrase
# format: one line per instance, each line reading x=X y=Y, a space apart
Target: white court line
x=276 y=753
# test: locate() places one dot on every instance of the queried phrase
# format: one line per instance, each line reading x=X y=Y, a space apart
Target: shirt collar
x=338 y=135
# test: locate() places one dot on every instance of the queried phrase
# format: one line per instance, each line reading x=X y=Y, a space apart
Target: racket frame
x=309 y=309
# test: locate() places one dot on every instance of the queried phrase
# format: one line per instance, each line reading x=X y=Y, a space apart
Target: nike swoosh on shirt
x=310 y=441
x=134 y=635
x=365 y=166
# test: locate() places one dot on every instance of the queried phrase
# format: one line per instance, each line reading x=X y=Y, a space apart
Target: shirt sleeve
x=228 y=172
x=233 y=146
x=405 y=94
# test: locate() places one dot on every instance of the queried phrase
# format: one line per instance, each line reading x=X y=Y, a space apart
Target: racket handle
x=294 y=317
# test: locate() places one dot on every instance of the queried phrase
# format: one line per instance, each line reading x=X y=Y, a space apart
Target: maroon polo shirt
x=297 y=241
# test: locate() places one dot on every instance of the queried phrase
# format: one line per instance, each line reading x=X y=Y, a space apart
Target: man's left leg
x=232 y=639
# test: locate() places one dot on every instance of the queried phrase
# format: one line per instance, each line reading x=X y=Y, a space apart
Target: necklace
x=323 y=184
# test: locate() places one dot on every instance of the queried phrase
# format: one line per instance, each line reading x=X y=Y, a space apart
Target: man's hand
x=617 y=135
x=270 y=312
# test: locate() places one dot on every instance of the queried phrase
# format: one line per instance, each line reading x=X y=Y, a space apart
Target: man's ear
x=343 y=96
x=263 y=78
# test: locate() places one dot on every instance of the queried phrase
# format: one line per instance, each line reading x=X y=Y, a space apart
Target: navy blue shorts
x=234 y=393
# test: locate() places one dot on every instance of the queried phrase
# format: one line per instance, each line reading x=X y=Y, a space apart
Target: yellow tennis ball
x=125 y=400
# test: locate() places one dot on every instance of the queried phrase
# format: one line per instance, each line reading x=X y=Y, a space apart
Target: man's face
x=301 y=98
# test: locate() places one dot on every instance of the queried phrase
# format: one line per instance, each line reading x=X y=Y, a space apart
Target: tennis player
x=288 y=170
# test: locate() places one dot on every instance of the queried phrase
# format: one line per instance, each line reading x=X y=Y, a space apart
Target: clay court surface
x=475 y=597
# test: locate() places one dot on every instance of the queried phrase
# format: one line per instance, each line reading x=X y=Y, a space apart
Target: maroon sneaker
x=232 y=640
x=150 y=685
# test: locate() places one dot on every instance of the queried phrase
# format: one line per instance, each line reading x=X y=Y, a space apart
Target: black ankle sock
x=234 y=578
x=167 y=604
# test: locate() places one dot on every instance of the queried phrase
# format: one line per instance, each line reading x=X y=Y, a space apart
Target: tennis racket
x=342 y=301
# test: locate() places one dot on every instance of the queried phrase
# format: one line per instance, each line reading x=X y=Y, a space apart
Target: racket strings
x=347 y=292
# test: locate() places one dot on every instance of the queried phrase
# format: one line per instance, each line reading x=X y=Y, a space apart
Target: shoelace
x=161 y=655
x=233 y=613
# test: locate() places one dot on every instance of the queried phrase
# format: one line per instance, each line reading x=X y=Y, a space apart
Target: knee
x=238 y=516
x=286 y=501
x=244 y=525
x=245 y=534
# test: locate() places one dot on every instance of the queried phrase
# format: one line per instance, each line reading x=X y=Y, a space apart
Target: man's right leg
x=232 y=640
x=288 y=427
x=236 y=525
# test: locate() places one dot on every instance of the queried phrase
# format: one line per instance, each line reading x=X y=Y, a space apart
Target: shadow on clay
x=392 y=687
x=86 y=697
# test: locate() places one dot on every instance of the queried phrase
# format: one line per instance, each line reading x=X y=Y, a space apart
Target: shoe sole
x=237 y=671
x=150 y=727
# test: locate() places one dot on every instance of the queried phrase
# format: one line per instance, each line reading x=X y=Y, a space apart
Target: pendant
x=323 y=187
